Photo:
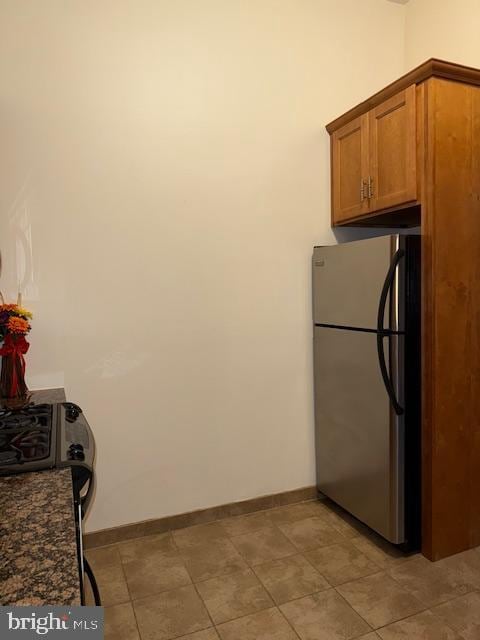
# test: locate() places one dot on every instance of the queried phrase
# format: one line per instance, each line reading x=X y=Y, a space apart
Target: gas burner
x=38 y=416
x=17 y=422
x=31 y=409
x=25 y=434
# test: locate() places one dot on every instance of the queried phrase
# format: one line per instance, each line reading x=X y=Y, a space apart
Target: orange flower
x=18 y=325
x=8 y=307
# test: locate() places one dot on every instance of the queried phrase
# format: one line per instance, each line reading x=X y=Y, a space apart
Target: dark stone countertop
x=38 y=549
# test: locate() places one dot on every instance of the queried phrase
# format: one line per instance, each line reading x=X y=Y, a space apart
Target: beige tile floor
x=303 y=571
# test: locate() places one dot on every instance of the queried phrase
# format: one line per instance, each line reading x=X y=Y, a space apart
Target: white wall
x=446 y=29
x=165 y=169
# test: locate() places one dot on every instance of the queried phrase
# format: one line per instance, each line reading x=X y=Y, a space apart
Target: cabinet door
x=350 y=170
x=392 y=149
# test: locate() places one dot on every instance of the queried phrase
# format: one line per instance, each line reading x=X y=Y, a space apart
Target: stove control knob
x=72 y=411
x=75 y=452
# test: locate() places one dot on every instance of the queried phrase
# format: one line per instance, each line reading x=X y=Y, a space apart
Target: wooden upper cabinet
x=392 y=151
x=374 y=160
x=350 y=166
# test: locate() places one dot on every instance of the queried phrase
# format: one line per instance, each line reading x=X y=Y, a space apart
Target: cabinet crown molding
x=430 y=68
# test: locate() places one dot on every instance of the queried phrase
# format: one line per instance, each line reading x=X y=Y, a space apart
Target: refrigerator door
x=359 y=437
x=348 y=280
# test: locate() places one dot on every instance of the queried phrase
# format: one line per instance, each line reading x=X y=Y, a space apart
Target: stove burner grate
x=25 y=434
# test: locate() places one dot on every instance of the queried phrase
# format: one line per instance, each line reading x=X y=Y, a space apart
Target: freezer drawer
x=359 y=438
x=348 y=280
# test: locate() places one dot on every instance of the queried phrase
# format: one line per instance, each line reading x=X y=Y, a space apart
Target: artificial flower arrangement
x=14 y=326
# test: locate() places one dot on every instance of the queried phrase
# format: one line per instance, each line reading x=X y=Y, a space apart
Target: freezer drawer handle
x=381 y=333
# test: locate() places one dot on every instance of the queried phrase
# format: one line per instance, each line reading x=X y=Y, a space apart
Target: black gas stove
x=47 y=436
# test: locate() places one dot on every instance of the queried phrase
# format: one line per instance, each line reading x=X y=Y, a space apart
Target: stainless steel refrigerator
x=366 y=311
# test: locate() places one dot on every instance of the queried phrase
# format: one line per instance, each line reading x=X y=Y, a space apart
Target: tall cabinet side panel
x=474 y=452
x=450 y=297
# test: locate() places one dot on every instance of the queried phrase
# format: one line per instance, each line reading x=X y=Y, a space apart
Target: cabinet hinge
x=370 y=187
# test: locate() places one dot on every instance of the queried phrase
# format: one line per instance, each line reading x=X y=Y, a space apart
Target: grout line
x=448 y=602
x=412 y=615
x=332 y=586
x=366 y=575
x=304 y=554
x=258 y=564
x=289 y=623
x=222 y=575
x=244 y=615
x=264 y=585
x=155 y=593
x=162 y=592
x=425 y=608
x=172 y=537
x=274 y=608
x=204 y=605
x=261 y=564
x=472 y=590
x=129 y=594
x=188 y=634
x=354 y=610
x=305 y=595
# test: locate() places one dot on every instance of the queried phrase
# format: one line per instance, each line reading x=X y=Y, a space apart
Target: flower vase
x=12 y=376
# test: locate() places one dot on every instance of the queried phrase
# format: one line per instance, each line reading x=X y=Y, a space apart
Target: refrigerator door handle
x=381 y=333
